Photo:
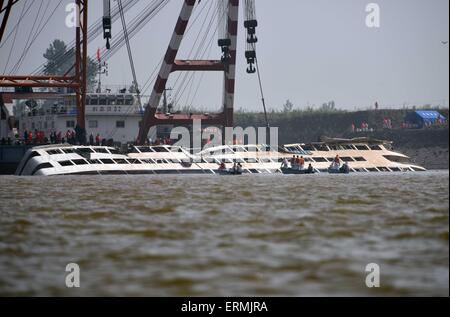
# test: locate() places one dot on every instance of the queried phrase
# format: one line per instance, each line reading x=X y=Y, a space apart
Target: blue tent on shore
x=423 y=118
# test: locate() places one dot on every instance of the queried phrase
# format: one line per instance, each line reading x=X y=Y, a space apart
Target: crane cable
x=130 y=55
x=261 y=91
x=15 y=36
x=34 y=27
x=38 y=31
x=251 y=45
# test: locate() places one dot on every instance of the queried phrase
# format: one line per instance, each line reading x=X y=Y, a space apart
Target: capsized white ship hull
x=254 y=159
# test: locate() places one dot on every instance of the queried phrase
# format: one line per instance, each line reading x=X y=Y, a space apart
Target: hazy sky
x=310 y=51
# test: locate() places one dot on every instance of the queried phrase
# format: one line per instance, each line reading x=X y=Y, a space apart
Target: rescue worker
x=301 y=163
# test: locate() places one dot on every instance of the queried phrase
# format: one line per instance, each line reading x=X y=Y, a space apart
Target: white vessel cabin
x=112 y=116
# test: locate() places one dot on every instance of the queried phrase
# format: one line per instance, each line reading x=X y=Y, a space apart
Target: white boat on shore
x=360 y=156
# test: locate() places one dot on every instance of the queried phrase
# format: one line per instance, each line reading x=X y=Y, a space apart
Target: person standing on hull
x=285 y=163
x=80 y=135
x=91 y=139
x=301 y=163
x=336 y=163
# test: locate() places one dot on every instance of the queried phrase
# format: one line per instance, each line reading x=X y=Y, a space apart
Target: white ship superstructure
x=113 y=116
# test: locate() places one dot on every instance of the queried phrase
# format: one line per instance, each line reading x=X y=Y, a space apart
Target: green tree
x=288 y=106
x=328 y=107
x=60 y=59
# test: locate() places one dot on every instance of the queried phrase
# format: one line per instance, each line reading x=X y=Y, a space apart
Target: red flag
x=98 y=55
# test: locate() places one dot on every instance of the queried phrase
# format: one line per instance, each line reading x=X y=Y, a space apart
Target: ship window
x=121 y=161
x=41 y=166
x=129 y=101
x=94 y=162
x=68 y=151
x=80 y=162
x=320 y=159
x=101 y=150
x=114 y=151
x=375 y=148
x=102 y=102
x=360 y=159
x=347 y=159
x=148 y=161
x=134 y=161
x=348 y=147
x=160 y=149
x=308 y=148
x=107 y=161
x=70 y=124
x=395 y=169
x=53 y=152
x=145 y=149
x=120 y=124
x=322 y=147
x=330 y=159
x=120 y=101
x=84 y=150
x=291 y=149
x=383 y=169
x=65 y=163
x=93 y=124
x=362 y=147
x=335 y=147
x=112 y=101
x=94 y=102
x=372 y=169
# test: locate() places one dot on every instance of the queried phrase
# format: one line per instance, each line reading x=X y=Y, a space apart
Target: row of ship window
x=83 y=151
x=94 y=124
x=170 y=161
x=327 y=148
